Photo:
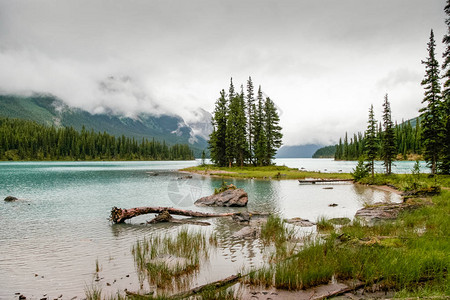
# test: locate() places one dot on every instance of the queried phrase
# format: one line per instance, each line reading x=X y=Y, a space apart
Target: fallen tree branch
x=119 y=215
x=215 y=285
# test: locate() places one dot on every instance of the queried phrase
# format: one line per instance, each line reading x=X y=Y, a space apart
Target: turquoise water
x=51 y=238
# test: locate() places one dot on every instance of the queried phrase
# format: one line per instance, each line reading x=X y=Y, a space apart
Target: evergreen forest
x=28 y=140
x=246 y=128
x=407 y=143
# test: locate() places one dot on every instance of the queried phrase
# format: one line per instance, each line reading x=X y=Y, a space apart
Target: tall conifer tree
x=432 y=120
x=250 y=116
x=260 y=141
x=445 y=161
x=388 y=144
x=273 y=130
x=371 y=144
x=231 y=126
x=217 y=139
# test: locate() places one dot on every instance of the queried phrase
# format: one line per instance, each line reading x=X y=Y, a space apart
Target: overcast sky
x=323 y=62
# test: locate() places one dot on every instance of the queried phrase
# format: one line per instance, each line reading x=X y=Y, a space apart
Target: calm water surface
x=51 y=238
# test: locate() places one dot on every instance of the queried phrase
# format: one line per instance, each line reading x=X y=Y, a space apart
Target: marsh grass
x=392 y=254
x=93 y=292
x=323 y=224
x=278 y=233
x=166 y=261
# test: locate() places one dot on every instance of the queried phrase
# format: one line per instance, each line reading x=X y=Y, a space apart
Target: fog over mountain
x=323 y=62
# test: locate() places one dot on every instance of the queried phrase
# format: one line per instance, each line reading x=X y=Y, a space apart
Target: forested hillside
x=407 y=140
x=27 y=140
x=48 y=110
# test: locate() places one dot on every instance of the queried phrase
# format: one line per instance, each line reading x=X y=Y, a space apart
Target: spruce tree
x=273 y=130
x=445 y=160
x=241 y=143
x=217 y=141
x=250 y=117
x=260 y=141
x=231 y=126
x=432 y=120
x=371 y=143
x=389 y=150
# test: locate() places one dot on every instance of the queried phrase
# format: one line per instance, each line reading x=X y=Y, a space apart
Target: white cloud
x=323 y=62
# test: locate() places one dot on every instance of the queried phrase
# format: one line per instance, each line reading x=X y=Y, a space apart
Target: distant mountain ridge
x=297 y=151
x=46 y=109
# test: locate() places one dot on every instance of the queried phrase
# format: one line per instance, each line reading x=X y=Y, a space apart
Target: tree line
x=407 y=143
x=27 y=140
x=246 y=129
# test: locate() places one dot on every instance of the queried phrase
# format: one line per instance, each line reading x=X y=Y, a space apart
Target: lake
x=51 y=239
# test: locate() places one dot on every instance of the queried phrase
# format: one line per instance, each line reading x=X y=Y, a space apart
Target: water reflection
x=63 y=227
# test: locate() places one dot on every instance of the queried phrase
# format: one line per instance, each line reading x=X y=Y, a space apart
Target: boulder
x=228 y=198
x=300 y=222
x=10 y=199
x=383 y=211
x=242 y=217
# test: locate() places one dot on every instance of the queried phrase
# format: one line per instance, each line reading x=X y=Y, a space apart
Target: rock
x=228 y=198
x=300 y=222
x=10 y=199
x=383 y=211
x=246 y=232
x=22 y=297
x=242 y=217
x=332 y=205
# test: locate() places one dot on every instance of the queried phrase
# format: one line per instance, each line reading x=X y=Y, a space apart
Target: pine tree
x=432 y=120
x=241 y=125
x=231 y=126
x=371 y=144
x=389 y=150
x=260 y=141
x=217 y=140
x=273 y=130
x=250 y=117
x=445 y=161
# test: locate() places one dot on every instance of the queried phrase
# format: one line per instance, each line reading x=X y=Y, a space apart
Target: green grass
x=277 y=233
x=166 y=261
x=407 y=182
x=323 y=224
x=267 y=172
x=409 y=255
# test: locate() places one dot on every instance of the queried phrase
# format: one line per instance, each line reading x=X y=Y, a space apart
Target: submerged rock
x=300 y=222
x=246 y=232
x=10 y=199
x=228 y=198
x=242 y=217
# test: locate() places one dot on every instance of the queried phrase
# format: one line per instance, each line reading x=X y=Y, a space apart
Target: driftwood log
x=166 y=217
x=215 y=285
x=119 y=215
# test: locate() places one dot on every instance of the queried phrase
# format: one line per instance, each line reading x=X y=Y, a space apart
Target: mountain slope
x=298 y=151
x=51 y=111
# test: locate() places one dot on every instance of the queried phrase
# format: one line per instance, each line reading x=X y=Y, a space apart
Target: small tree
x=360 y=171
